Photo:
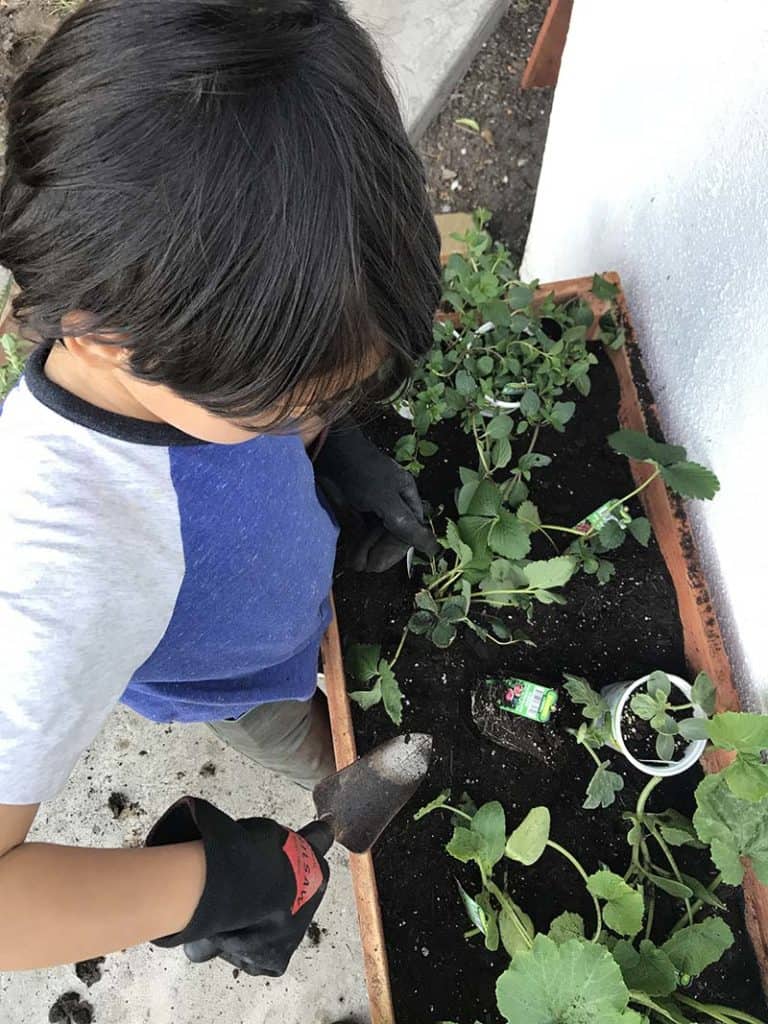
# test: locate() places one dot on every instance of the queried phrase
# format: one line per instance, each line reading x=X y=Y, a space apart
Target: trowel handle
x=319 y=835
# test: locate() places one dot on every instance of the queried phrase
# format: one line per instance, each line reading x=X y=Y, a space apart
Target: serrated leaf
x=696 y=947
x=554 y=572
x=465 y=496
x=611 y=536
x=703 y=693
x=605 y=571
x=624 y=910
x=529 y=840
x=566 y=926
x=362 y=661
x=426 y=602
x=391 y=694
x=443 y=634
x=456 y=544
x=589 y=986
x=647 y=969
x=440 y=800
x=733 y=828
x=747 y=777
x=366 y=699
x=486 y=501
x=739 y=730
x=421 y=622
x=637 y=445
x=690 y=480
x=640 y=529
x=528 y=514
x=580 y=692
x=509 y=537
x=603 y=787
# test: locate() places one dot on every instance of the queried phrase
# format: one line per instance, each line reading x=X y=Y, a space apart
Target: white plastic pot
x=618 y=695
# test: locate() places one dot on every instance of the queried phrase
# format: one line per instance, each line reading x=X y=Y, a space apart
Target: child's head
x=225 y=188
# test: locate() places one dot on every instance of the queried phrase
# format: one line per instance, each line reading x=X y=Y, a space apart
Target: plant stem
x=639 y=816
x=479 y=595
x=592 y=754
x=569 y=857
x=697 y=904
x=399 y=650
x=643 y=1000
x=642 y=800
x=562 y=529
x=721 y=1013
x=480 y=449
x=672 y=863
x=651 y=912
x=627 y=497
x=454 y=810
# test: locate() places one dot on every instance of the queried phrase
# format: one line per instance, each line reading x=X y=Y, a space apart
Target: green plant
x=654 y=707
x=13 y=364
x=614 y=973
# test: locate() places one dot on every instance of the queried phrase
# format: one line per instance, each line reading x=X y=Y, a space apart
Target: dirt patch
x=71 y=1009
x=89 y=971
x=121 y=806
x=208 y=770
x=620 y=631
x=497 y=167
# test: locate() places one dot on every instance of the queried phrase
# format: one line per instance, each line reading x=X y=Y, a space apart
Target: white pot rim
x=622 y=693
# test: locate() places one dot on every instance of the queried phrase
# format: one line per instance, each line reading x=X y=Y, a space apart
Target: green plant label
x=609 y=512
x=521 y=697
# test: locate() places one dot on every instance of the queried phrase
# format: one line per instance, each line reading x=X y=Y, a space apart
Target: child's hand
x=370 y=482
x=263 y=886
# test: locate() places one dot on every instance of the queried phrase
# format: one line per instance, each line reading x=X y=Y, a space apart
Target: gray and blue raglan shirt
x=188 y=580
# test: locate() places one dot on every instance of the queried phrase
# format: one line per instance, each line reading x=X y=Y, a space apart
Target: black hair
x=228 y=183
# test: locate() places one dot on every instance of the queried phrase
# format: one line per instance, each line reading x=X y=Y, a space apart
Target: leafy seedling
x=653 y=705
x=365 y=664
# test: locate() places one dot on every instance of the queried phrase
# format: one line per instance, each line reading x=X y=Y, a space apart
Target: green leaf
x=647 y=969
x=362 y=661
x=474 y=530
x=465 y=383
x=421 y=622
x=665 y=746
x=694 y=729
x=603 y=787
x=675 y=828
x=486 y=501
x=739 y=730
x=519 y=296
x=468 y=122
x=475 y=912
x=465 y=496
x=530 y=403
x=555 y=572
x=733 y=828
x=644 y=706
x=456 y=544
x=512 y=938
x=465 y=845
x=605 y=571
x=611 y=536
x=501 y=453
x=703 y=693
x=623 y=911
x=580 y=692
x=528 y=514
x=690 y=480
x=562 y=413
x=529 y=840
x=670 y=885
x=694 y=948
x=492 y=920
x=427 y=448
x=443 y=634
x=367 y=699
x=509 y=537
x=747 y=777
x=391 y=694
x=640 y=529
x=440 y=800
x=659 y=683
x=637 y=445
x=566 y=926
x=485 y=363
x=489 y=823
x=500 y=426
x=426 y=602
x=603 y=289
x=589 y=986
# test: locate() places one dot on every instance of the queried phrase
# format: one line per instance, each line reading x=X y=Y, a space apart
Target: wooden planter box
x=704 y=650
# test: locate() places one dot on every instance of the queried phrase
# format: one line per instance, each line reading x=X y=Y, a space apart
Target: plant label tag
x=609 y=512
x=526 y=699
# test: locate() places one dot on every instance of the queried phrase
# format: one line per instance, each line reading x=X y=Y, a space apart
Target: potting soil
x=622 y=630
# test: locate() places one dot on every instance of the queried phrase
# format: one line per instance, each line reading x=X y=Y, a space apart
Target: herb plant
x=507 y=364
x=609 y=969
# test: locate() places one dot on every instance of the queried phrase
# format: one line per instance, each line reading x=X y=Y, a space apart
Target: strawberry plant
x=611 y=969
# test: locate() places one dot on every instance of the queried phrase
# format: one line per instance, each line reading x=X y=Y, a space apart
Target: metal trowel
x=355 y=805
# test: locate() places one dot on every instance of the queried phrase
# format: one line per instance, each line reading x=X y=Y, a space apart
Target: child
x=222 y=240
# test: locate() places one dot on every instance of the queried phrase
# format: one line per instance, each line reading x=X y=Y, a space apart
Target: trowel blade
x=360 y=801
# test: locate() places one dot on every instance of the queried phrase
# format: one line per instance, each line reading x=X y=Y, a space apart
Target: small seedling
x=654 y=707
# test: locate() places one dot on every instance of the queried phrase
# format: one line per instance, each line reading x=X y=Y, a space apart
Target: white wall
x=657 y=166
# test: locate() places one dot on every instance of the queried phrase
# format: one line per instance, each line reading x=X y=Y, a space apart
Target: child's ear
x=100 y=350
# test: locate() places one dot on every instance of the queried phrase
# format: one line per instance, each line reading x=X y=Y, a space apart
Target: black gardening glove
x=263 y=885
x=352 y=471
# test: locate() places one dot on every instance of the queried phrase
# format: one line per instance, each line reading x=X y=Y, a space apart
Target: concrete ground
x=147 y=767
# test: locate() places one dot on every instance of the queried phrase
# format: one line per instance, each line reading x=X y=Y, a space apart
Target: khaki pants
x=290 y=737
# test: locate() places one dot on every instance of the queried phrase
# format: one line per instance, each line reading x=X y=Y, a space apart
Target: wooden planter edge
x=703 y=644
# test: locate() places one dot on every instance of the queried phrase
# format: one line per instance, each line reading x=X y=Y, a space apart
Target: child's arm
x=62 y=904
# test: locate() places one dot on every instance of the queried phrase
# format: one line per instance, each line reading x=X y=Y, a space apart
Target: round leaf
x=624 y=910
x=529 y=840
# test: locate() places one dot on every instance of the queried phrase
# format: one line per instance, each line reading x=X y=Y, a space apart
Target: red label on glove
x=306 y=869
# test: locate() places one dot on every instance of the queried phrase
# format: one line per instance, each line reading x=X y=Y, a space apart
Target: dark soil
x=619 y=631
x=120 y=804
x=499 y=167
x=71 y=1009
x=640 y=738
x=89 y=971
